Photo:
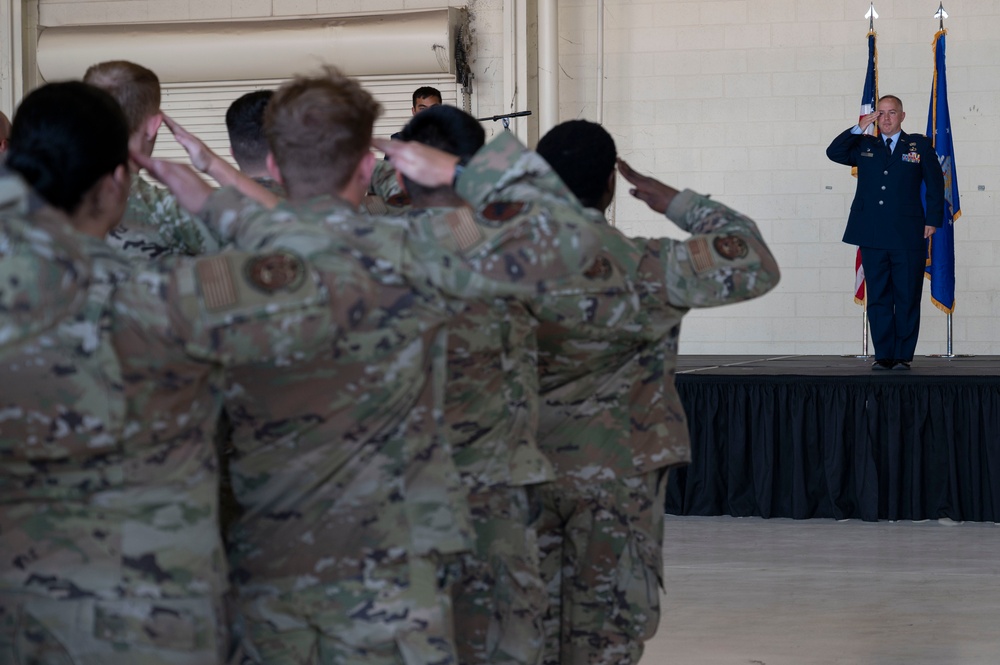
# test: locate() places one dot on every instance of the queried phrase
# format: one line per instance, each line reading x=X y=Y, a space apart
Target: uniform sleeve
x=386 y=189
x=524 y=234
x=841 y=150
x=230 y=216
x=725 y=260
x=180 y=231
x=505 y=170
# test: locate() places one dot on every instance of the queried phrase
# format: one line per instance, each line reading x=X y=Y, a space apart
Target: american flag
x=941 y=246
x=869 y=98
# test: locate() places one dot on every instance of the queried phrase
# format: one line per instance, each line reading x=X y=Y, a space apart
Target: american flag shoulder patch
x=375 y=205
x=464 y=228
x=218 y=288
x=702 y=258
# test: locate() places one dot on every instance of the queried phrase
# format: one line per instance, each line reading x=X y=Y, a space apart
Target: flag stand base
x=949 y=356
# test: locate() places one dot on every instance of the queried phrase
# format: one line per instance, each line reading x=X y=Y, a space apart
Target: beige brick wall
x=739 y=98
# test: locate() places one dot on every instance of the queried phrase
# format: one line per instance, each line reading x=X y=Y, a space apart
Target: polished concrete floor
x=749 y=591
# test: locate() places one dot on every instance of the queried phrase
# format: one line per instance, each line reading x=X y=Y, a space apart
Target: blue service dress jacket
x=887 y=212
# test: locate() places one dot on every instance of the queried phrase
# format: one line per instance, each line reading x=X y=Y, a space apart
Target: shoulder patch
x=217 y=284
x=731 y=247
x=464 y=228
x=701 y=255
x=400 y=200
x=274 y=272
x=502 y=211
x=375 y=205
x=600 y=269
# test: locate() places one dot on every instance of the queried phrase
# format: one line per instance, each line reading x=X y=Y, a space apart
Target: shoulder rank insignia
x=502 y=211
x=270 y=273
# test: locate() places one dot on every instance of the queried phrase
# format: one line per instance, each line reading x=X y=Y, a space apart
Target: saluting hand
x=201 y=155
x=650 y=190
x=866 y=121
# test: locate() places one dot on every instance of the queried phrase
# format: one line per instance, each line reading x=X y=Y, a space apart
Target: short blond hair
x=135 y=88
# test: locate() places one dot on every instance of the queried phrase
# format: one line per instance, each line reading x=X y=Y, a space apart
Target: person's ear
x=365 y=169
x=152 y=125
x=272 y=168
x=360 y=180
x=123 y=177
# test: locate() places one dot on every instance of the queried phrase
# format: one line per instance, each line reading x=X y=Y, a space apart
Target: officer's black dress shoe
x=901 y=365
x=882 y=364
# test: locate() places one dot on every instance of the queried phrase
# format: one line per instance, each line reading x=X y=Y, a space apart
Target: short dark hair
x=65 y=137
x=583 y=155
x=319 y=128
x=245 y=124
x=446 y=128
x=135 y=88
x=426 y=91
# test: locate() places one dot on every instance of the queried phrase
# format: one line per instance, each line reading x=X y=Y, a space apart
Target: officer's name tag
x=867 y=154
x=912 y=157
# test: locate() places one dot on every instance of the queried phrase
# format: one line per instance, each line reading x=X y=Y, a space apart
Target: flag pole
x=864 y=329
x=871 y=16
x=941 y=15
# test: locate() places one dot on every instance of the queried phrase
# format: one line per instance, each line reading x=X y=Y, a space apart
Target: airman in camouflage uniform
x=491 y=411
x=490 y=417
x=611 y=421
x=247 y=142
x=350 y=497
x=111 y=389
x=154 y=225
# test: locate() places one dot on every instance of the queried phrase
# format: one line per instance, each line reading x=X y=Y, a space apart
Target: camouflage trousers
x=500 y=598
x=601 y=548
x=391 y=614
x=44 y=631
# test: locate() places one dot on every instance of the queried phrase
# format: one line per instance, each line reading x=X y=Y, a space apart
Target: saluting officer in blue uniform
x=890 y=224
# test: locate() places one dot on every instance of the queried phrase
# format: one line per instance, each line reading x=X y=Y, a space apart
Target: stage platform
x=828 y=437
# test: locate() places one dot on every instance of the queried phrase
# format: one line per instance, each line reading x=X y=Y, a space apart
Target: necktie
x=888 y=146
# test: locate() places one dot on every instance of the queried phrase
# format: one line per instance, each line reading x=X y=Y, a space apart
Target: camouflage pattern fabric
x=602 y=559
x=156 y=226
x=93 y=631
x=344 y=482
x=108 y=476
x=383 y=617
x=298 y=511
x=386 y=196
x=500 y=599
x=610 y=412
x=16 y=198
x=491 y=411
x=625 y=418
